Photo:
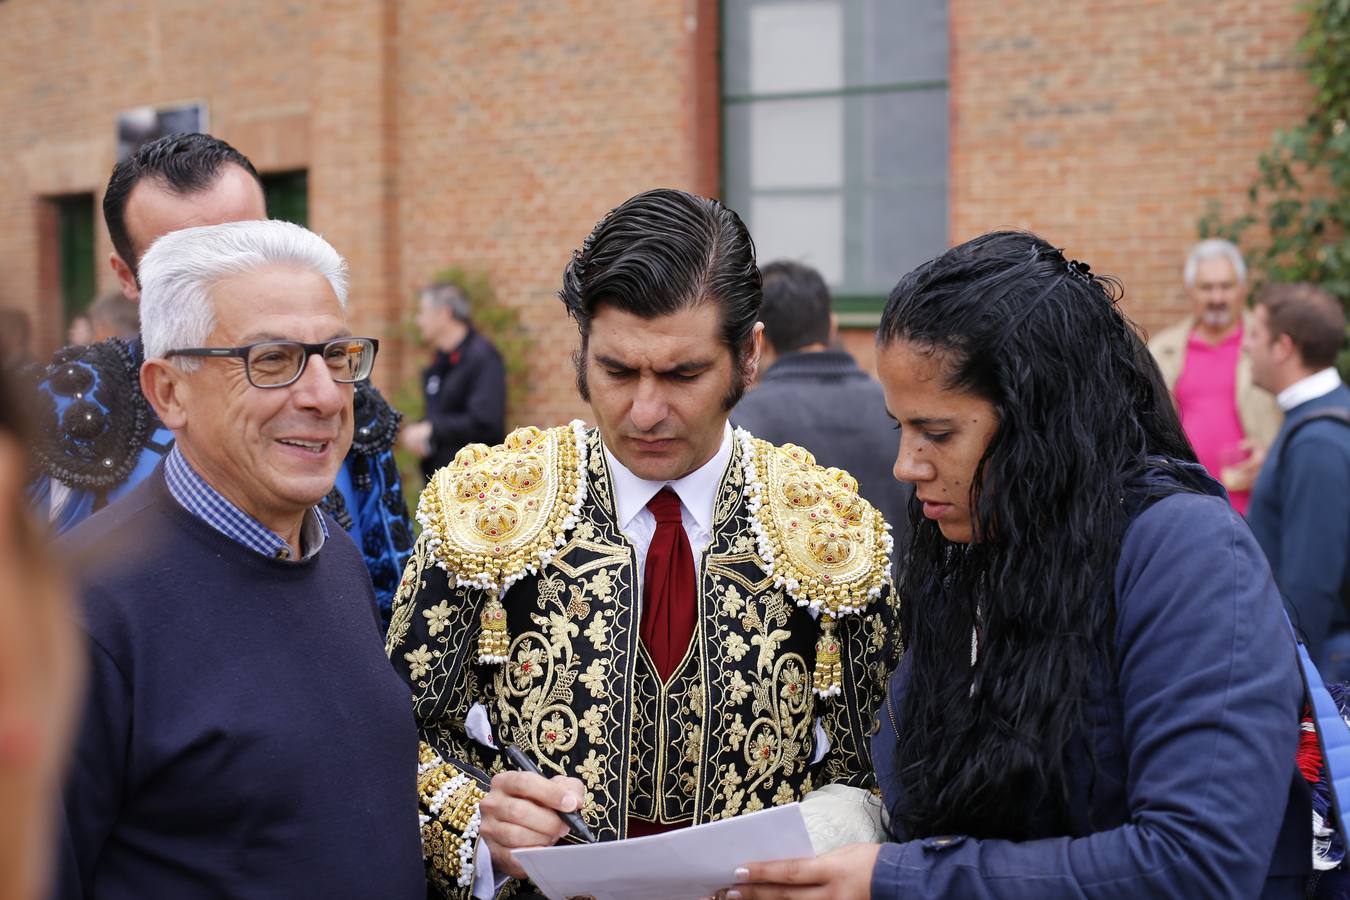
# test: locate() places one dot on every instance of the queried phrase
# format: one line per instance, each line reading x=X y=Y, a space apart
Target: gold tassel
x=493 y=642
x=828 y=670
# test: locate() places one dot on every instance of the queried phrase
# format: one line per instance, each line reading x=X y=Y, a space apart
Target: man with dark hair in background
x=817 y=397
x=464 y=388
x=100 y=435
x=1300 y=509
x=679 y=621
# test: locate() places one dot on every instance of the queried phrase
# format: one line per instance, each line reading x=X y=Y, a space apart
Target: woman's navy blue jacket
x=1194 y=792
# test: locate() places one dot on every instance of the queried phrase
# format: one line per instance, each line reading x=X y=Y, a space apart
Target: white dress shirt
x=697 y=492
x=1319 y=384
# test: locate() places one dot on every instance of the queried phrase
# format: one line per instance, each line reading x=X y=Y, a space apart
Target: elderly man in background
x=1230 y=421
x=464 y=388
x=244 y=734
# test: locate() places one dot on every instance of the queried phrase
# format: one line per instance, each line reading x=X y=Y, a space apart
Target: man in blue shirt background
x=1300 y=506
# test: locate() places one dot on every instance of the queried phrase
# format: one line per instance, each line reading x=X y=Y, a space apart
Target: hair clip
x=1080 y=270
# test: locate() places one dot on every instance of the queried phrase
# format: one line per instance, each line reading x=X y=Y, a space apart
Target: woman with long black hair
x=1099 y=695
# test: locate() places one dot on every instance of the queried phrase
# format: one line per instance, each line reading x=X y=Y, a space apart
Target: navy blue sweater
x=1300 y=514
x=244 y=734
x=1190 y=790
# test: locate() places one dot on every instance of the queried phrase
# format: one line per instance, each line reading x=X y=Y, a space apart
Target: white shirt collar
x=697 y=490
x=1316 y=385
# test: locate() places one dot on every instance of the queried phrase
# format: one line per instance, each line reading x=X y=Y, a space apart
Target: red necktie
x=668 y=588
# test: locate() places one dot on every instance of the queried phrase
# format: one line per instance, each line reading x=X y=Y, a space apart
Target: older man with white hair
x=244 y=735
x=1229 y=421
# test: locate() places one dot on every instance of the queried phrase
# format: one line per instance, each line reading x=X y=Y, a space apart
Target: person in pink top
x=1230 y=421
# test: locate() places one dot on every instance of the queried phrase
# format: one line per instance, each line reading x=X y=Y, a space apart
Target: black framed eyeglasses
x=275 y=364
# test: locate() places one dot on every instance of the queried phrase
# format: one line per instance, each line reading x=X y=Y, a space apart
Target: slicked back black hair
x=659 y=253
x=184 y=163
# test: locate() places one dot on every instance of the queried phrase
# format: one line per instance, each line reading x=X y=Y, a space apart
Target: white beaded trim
x=469 y=846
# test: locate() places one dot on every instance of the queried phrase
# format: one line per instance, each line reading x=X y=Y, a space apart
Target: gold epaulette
x=820 y=540
x=498 y=513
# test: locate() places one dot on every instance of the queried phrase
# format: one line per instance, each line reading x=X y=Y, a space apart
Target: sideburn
x=740 y=383
x=579 y=363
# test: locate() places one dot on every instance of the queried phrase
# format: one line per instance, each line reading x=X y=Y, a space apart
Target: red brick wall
x=1109 y=127
x=490 y=136
x=519 y=124
x=67 y=68
x=493 y=135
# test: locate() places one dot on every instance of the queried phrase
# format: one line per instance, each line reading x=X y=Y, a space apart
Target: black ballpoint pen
x=573 y=819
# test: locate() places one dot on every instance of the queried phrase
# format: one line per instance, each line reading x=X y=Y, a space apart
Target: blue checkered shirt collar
x=206 y=503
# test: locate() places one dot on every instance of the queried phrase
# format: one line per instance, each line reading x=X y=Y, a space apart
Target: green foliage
x=495 y=321
x=1301 y=193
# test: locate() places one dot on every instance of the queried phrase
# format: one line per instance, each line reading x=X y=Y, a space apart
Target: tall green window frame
x=287 y=195
x=835 y=137
x=75 y=253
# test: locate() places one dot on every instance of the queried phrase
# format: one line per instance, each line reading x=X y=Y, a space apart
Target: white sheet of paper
x=679 y=865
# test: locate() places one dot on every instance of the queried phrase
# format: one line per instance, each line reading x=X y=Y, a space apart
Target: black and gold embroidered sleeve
x=430 y=643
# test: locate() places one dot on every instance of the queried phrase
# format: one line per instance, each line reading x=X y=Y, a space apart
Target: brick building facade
x=493 y=135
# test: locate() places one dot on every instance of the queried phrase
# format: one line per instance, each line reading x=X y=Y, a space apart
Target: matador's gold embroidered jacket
x=522 y=595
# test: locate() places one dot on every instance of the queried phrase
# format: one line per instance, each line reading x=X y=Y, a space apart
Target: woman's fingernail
x=569 y=802
x=742 y=874
x=733 y=894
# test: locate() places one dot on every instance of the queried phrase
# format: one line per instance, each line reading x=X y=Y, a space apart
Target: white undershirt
x=1319 y=384
x=698 y=495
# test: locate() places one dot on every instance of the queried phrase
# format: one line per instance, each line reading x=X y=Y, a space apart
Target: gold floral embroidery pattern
x=645 y=702
x=767 y=707
x=405 y=598
x=678 y=739
x=598 y=474
x=848 y=725
x=732 y=732
x=555 y=693
x=432 y=661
